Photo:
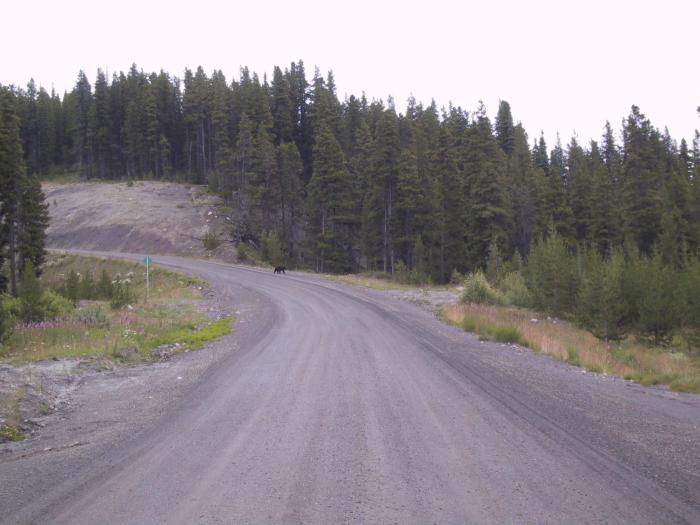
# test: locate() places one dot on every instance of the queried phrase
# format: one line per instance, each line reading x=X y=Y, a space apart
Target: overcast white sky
x=564 y=66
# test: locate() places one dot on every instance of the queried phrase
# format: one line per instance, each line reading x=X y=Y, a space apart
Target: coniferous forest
x=354 y=185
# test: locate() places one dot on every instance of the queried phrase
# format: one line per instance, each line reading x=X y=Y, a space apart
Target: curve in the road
x=345 y=405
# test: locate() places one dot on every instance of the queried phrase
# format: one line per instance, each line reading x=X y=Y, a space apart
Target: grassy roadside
x=121 y=336
x=97 y=332
x=562 y=340
x=379 y=281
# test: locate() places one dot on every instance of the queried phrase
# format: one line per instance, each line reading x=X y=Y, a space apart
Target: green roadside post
x=147 y=261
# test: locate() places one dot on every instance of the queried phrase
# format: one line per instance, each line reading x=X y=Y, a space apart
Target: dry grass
x=562 y=340
x=370 y=282
x=379 y=281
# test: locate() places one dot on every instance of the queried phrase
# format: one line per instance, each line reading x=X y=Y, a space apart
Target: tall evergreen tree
x=641 y=197
x=579 y=183
x=33 y=219
x=505 y=130
x=488 y=200
x=331 y=210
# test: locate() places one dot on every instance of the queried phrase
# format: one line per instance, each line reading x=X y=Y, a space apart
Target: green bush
x=515 y=290
x=211 y=241
x=405 y=275
x=456 y=277
x=478 y=290
x=552 y=276
x=9 y=311
x=87 y=288
x=212 y=182
x=494 y=263
x=247 y=253
x=94 y=315
x=122 y=295
x=72 y=287
x=10 y=433
x=55 y=306
x=690 y=304
x=602 y=306
x=508 y=334
x=659 y=305
x=271 y=248
x=30 y=295
x=105 y=289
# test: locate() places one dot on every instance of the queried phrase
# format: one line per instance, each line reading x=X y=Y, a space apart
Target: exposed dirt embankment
x=148 y=217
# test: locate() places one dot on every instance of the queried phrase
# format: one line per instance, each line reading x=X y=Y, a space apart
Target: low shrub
x=271 y=248
x=572 y=356
x=211 y=240
x=515 y=290
x=10 y=433
x=9 y=310
x=508 y=334
x=405 y=275
x=30 y=296
x=247 y=253
x=122 y=295
x=55 y=306
x=93 y=315
x=478 y=290
x=492 y=331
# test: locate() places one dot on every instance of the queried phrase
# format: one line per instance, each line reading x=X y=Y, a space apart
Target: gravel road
x=335 y=404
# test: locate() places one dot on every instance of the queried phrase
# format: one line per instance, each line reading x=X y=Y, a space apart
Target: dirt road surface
x=333 y=404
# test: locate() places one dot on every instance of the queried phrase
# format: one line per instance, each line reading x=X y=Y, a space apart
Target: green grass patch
x=508 y=334
x=189 y=337
x=493 y=332
x=572 y=356
x=10 y=433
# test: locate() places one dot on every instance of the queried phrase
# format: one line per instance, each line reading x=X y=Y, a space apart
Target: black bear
x=280 y=269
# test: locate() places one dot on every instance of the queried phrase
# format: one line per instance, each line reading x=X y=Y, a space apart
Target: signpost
x=147 y=261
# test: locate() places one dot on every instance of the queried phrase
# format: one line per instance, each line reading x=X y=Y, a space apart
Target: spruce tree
x=102 y=126
x=330 y=206
x=523 y=188
x=641 y=199
x=451 y=217
x=33 y=220
x=604 y=225
x=281 y=107
x=12 y=177
x=409 y=200
x=290 y=208
x=488 y=209
x=31 y=309
x=602 y=307
x=505 y=130
x=579 y=183
x=243 y=157
x=383 y=185
x=82 y=130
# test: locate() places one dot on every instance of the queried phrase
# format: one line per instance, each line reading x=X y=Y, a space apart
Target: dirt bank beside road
x=148 y=217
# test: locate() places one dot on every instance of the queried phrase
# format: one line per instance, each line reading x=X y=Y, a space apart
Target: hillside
x=149 y=217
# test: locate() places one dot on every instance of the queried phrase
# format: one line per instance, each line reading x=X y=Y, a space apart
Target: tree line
x=357 y=185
